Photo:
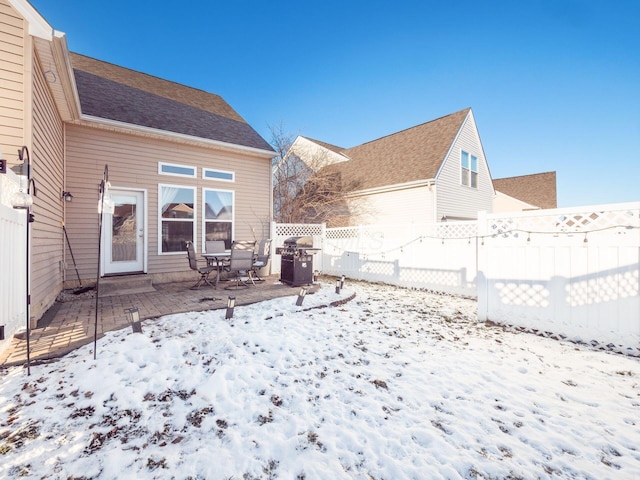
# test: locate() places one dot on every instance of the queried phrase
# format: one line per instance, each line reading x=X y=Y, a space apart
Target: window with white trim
x=469 y=169
x=220 y=175
x=177 y=217
x=218 y=215
x=176 y=170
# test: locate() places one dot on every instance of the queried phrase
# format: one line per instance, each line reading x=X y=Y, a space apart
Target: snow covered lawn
x=396 y=384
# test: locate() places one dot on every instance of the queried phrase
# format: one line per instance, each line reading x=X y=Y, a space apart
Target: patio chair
x=214 y=246
x=240 y=263
x=203 y=271
x=260 y=260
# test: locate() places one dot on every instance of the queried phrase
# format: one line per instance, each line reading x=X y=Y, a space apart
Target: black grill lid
x=299 y=242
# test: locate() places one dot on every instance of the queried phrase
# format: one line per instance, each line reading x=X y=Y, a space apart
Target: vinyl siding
x=46 y=155
x=133 y=163
x=454 y=199
x=409 y=205
x=12 y=101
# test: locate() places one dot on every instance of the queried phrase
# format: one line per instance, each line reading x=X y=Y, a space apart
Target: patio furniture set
x=241 y=263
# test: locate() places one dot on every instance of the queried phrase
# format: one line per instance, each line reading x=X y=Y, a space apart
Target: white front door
x=124 y=233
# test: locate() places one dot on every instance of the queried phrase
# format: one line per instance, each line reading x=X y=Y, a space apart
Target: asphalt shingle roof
x=538 y=189
x=409 y=155
x=116 y=93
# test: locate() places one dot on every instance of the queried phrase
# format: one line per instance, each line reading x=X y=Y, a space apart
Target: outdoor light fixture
x=338 y=283
x=231 y=303
x=1 y=332
x=303 y=292
x=342 y=282
x=315 y=276
x=67 y=196
x=134 y=318
x=22 y=200
x=3 y=164
x=105 y=205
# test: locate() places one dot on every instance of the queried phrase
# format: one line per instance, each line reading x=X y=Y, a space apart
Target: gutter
x=128 y=127
x=390 y=188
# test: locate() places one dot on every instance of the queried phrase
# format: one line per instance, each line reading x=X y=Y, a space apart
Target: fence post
x=481 y=263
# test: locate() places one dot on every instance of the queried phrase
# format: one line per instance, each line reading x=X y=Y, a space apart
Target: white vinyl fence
x=432 y=256
x=571 y=272
x=12 y=261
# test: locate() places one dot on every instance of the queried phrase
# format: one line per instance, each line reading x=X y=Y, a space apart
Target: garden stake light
x=301 y=295
x=231 y=303
x=22 y=200
x=105 y=205
x=134 y=318
x=338 y=286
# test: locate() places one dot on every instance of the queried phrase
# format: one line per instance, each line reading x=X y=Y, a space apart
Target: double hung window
x=177 y=217
x=469 y=169
x=218 y=215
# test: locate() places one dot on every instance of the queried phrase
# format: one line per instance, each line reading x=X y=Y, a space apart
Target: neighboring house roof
x=538 y=189
x=120 y=94
x=326 y=145
x=406 y=156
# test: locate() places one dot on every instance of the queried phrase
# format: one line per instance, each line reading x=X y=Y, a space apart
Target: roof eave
x=391 y=188
x=154 y=132
x=38 y=26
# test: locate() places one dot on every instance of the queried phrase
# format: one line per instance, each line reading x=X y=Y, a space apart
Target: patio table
x=219 y=258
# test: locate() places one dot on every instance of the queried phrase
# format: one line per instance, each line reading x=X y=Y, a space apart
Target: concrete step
x=125 y=284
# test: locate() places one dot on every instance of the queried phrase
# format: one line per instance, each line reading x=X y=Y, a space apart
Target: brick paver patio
x=70 y=323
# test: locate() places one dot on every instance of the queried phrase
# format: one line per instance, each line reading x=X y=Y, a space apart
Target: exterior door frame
x=108 y=268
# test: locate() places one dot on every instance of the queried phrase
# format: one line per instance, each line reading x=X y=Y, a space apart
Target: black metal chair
x=260 y=260
x=240 y=263
x=203 y=271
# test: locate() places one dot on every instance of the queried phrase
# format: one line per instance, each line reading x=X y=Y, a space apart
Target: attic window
x=220 y=175
x=469 y=169
x=176 y=170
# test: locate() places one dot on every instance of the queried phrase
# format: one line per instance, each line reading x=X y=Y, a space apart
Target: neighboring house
x=431 y=172
x=182 y=164
x=525 y=192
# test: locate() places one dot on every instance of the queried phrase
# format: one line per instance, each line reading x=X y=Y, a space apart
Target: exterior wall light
x=67 y=196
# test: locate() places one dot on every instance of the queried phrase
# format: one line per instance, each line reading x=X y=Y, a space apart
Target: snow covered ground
x=396 y=384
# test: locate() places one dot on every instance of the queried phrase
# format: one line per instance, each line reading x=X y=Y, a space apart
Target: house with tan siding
x=181 y=163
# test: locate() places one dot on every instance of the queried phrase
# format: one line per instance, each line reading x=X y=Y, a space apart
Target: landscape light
x=338 y=286
x=301 y=295
x=134 y=319
x=231 y=303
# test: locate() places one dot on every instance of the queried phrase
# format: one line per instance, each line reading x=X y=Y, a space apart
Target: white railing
x=12 y=261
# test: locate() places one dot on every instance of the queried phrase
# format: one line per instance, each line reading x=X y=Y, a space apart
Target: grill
x=296 y=263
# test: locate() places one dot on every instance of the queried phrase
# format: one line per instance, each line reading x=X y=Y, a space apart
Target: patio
x=69 y=323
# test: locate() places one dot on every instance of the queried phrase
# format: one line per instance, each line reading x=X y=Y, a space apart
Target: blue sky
x=554 y=84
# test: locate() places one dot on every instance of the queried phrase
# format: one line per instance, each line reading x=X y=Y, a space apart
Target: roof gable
x=538 y=189
x=115 y=93
x=406 y=156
